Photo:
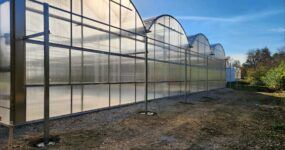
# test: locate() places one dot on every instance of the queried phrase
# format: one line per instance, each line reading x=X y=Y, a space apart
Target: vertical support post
x=146 y=73
x=46 y=73
x=18 y=61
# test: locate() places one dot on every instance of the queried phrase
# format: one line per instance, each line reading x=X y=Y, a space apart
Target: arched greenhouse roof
x=151 y=21
x=197 y=37
x=170 y=23
x=199 y=43
x=218 y=51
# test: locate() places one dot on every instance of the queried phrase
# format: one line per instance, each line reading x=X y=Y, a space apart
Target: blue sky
x=239 y=25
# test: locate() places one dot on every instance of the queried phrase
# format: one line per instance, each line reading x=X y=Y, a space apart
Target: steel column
x=46 y=73
x=146 y=74
x=18 y=62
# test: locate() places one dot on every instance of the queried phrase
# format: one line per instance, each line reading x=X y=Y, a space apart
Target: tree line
x=262 y=68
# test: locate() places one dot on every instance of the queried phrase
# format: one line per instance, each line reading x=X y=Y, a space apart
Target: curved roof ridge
x=192 y=38
x=139 y=15
x=150 y=21
x=213 y=48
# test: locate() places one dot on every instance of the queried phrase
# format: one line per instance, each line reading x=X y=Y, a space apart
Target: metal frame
x=18 y=66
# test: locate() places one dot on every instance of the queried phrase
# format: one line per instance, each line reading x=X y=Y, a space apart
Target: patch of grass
x=244 y=86
x=279 y=127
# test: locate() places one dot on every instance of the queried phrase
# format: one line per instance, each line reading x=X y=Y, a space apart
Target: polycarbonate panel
x=34 y=64
x=59 y=19
x=140 y=92
x=115 y=14
x=96 y=11
x=127 y=69
x=76 y=6
x=77 y=98
x=60 y=100
x=77 y=39
x=59 y=65
x=151 y=91
x=127 y=93
x=95 y=39
x=5 y=71
x=95 y=67
x=193 y=87
x=63 y=4
x=96 y=96
x=175 y=88
x=115 y=68
x=35 y=103
x=161 y=90
x=76 y=66
x=5 y=115
x=34 y=19
x=128 y=19
x=115 y=94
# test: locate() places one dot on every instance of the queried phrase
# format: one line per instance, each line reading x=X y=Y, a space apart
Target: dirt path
x=227 y=120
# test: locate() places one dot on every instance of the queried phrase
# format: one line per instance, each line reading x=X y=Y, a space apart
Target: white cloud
x=234 y=19
x=279 y=30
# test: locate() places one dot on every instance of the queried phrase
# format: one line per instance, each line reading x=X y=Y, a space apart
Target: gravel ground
x=224 y=119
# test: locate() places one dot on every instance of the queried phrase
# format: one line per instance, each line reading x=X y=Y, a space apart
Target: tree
x=236 y=63
x=275 y=77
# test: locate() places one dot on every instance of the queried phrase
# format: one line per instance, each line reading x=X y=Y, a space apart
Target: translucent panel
x=35 y=103
x=140 y=92
x=115 y=68
x=5 y=115
x=128 y=19
x=34 y=19
x=95 y=39
x=76 y=6
x=5 y=74
x=151 y=71
x=175 y=88
x=59 y=19
x=59 y=65
x=140 y=71
x=161 y=90
x=61 y=4
x=194 y=73
x=127 y=69
x=77 y=98
x=34 y=64
x=128 y=46
x=115 y=14
x=76 y=66
x=97 y=11
x=127 y=93
x=115 y=94
x=115 y=43
x=95 y=97
x=194 y=87
x=60 y=101
x=77 y=39
x=95 y=67
x=151 y=91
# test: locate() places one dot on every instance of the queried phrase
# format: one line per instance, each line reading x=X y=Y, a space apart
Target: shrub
x=275 y=77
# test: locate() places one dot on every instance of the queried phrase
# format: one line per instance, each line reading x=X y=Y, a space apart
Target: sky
x=239 y=25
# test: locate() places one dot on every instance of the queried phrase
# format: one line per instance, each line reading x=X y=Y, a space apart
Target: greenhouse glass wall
x=101 y=55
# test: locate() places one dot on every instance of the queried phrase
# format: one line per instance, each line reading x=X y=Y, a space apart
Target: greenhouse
x=74 y=57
